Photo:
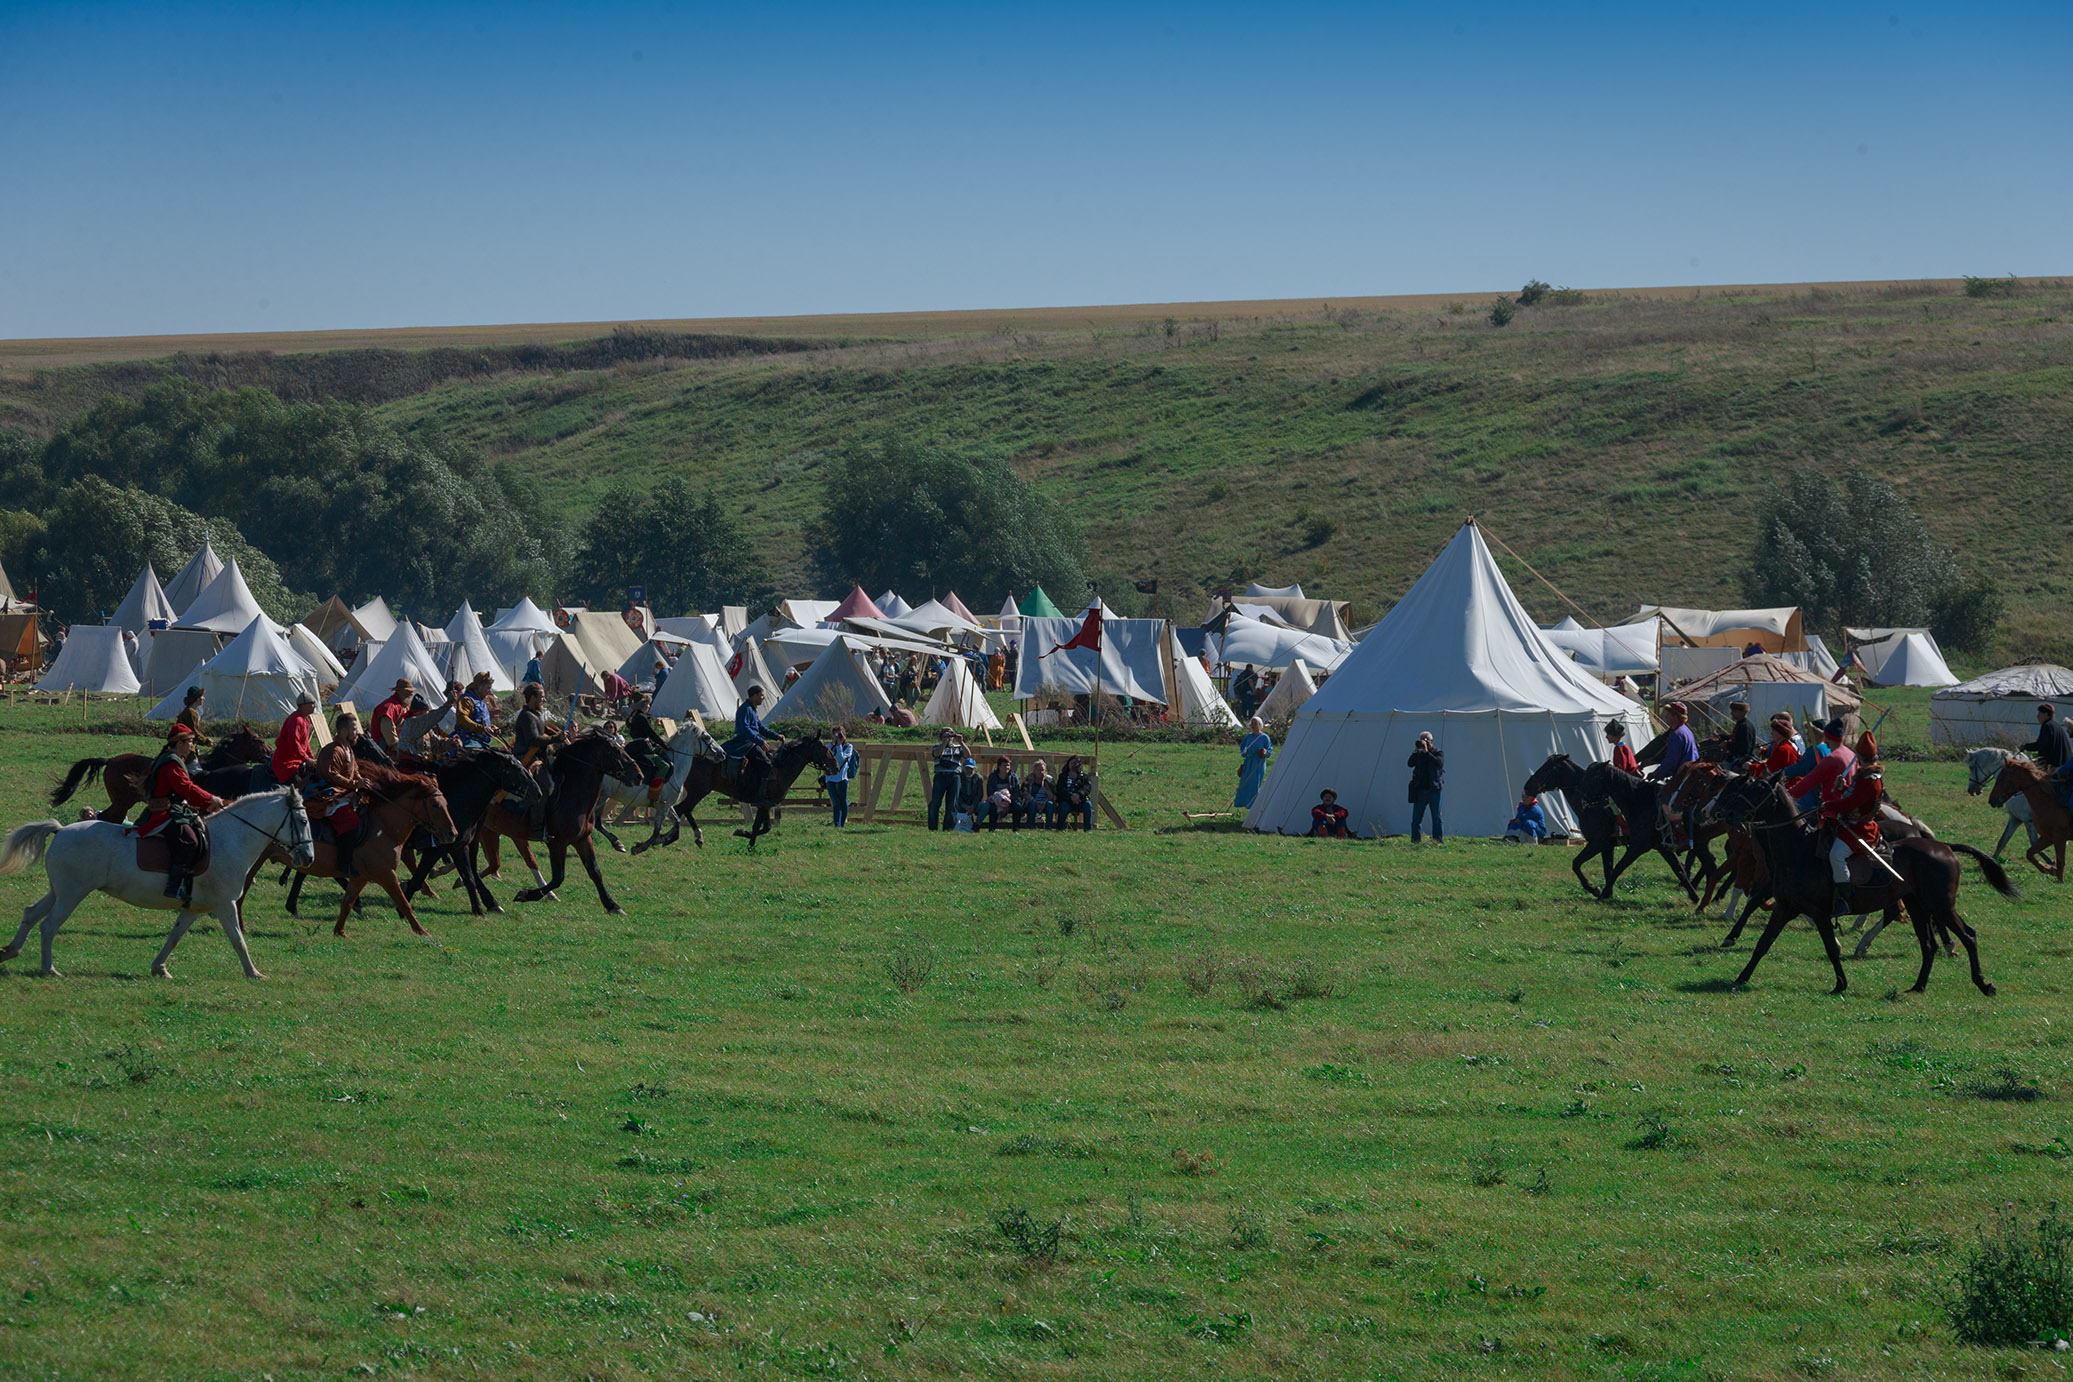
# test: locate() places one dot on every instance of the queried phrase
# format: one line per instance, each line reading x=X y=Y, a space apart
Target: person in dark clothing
x=1428 y=776
x=1002 y=783
x=645 y=744
x=1738 y=745
x=750 y=743
x=1328 y=818
x=1245 y=692
x=1075 y=796
x=948 y=762
x=2053 y=750
x=971 y=792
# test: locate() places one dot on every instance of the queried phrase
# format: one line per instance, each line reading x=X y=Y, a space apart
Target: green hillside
x=1620 y=444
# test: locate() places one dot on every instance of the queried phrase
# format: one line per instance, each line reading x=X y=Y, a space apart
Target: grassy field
x=1620 y=445
x=1172 y=1101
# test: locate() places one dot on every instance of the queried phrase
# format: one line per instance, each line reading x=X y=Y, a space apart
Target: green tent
x=1039 y=606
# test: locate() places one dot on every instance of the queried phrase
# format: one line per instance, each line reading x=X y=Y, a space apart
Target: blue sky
x=176 y=168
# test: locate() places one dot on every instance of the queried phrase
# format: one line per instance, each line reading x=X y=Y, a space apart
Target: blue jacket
x=1681 y=749
x=1531 y=820
x=748 y=730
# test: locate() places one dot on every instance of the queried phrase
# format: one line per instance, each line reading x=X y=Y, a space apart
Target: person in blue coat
x=838 y=778
x=748 y=744
x=1531 y=823
x=1253 y=752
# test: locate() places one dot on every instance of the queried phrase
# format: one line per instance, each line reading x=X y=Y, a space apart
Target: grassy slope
x=210 y=1178
x=1619 y=446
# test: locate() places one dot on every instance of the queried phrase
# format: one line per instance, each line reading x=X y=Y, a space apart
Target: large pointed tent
x=470 y=651
x=958 y=701
x=204 y=566
x=835 y=688
x=145 y=604
x=310 y=648
x=1196 y=701
x=225 y=605
x=257 y=676
x=957 y=607
x=1290 y=694
x=857 y=606
x=1457 y=657
x=1038 y=605
x=1914 y=661
x=748 y=668
x=524 y=616
x=891 y=605
x=93 y=659
x=402 y=655
x=699 y=682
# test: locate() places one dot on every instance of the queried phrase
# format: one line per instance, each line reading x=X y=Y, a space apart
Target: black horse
x=724 y=780
x=1594 y=792
x=580 y=769
x=1795 y=852
x=471 y=783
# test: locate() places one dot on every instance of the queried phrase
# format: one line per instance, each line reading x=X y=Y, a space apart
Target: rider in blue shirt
x=750 y=735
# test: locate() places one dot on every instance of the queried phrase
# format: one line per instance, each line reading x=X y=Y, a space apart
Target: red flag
x=1089 y=635
x=734 y=667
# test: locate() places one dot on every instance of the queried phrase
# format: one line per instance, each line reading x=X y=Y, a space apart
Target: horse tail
x=84 y=771
x=26 y=845
x=1997 y=877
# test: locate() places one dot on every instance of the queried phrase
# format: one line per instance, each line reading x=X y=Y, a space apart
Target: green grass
x=1525 y=1133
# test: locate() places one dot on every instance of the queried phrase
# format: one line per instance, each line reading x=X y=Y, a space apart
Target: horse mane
x=396 y=779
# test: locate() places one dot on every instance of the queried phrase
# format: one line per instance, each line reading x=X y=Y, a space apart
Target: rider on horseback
x=2053 y=749
x=337 y=799
x=747 y=744
x=175 y=807
x=1680 y=749
x=1850 y=809
x=645 y=744
x=292 y=744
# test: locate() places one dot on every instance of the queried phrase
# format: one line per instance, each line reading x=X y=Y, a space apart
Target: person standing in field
x=1253 y=752
x=839 y=777
x=1428 y=776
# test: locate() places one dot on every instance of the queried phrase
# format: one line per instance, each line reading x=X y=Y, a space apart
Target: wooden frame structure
x=880 y=765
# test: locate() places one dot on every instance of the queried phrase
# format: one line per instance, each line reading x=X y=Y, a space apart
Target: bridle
x=295 y=809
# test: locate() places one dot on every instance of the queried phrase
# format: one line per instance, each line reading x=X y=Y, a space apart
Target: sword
x=1871 y=853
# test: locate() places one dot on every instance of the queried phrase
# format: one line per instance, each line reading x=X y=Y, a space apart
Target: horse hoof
x=419 y=930
x=161 y=972
x=9 y=953
x=338 y=931
x=1987 y=990
x=525 y=895
x=618 y=848
x=52 y=974
x=615 y=911
x=640 y=847
x=1838 y=991
x=495 y=910
x=255 y=974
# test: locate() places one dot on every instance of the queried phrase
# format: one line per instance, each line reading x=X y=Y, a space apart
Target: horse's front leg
x=2007 y=833
x=229 y=917
x=165 y=952
x=394 y=889
x=588 y=855
x=558 y=856
x=352 y=886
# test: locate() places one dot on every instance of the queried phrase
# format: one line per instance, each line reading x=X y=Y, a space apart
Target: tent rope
x=1561 y=594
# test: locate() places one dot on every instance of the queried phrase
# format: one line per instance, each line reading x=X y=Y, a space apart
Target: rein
x=226 y=815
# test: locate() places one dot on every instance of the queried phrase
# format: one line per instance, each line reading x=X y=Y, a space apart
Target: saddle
x=155 y=852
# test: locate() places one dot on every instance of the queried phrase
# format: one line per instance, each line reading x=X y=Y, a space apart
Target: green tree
x=927 y=521
x=95 y=538
x=1854 y=553
x=685 y=548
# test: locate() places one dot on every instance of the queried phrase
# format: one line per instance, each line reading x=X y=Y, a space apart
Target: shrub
x=1218 y=492
x=2013 y=1288
x=909 y=967
x=1655 y=1132
x=1486 y=1167
x=1532 y=293
x=1991 y=287
x=1035 y=1239
x=1309 y=979
x=1248 y=1230
x=1189 y=1163
x=1201 y=971
x=1502 y=312
x=1318 y=530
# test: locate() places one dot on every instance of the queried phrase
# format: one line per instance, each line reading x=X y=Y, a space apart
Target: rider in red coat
x=177 y=800
x=292 y=746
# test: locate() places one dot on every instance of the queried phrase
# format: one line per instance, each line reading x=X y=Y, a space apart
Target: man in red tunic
x=174 y=805
x=292 y=745
x=387 y=725
x=1850 y=807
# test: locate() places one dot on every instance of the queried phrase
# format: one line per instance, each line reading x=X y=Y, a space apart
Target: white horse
x=686 y=746
x=1982 y=767
x=99 y=856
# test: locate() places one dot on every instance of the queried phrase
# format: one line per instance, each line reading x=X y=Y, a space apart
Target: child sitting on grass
x=1328 y=818
x=1531 y=823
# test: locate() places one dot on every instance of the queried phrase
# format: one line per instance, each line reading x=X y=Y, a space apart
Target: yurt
x=1290 y=694
x=1769 y=684
x=1914 y=660
x=1457 y=657
x=836 y=687
x=2000 y=707
x=957 y=700
x=257 y=676
x=698 y=683
x=93 y=659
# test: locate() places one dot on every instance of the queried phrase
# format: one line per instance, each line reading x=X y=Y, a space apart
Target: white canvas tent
x=1458 y=657
x=1816 y=659
x=1914 y=661
x=1568 y=623
x=808 y=614
x=145 y=602
x=1196 y=701
x=754 y=671
x=1133 y=659
x=257 y=676
x=1874 y=646
x=699 y=683
x=1286 y=592
x=606 y=639
x=526 y=617
x=957 y=700
x=469 y=652
x=1289 y=695
x=401 y=655
x=2000 y=707
x=175 y=653
x=225 y=605
x=1628 y=650
x=204 y=566
x=93 y=659
x=375 y=618
x=837 y=687
x=310 y=648
x=892 y=606
x=1777 y=630
x=1256 y=643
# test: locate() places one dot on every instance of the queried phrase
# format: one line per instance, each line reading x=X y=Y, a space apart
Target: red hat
x=179 y=732
x=1867 y=747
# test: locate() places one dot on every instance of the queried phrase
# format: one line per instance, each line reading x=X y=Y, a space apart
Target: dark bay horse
x=1796 y=854
x=1593 y=793
x=724 y=781
x=399 y=804
x=580 y=769
x=222 y=770
x=473 y=783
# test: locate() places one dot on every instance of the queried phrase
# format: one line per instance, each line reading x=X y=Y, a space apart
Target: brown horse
x=724 y=780
x=221 y=770
x=2019 y=777
x=398 y=804
x=580 y=770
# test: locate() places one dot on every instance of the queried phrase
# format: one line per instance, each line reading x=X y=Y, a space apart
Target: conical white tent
x=837 y=687
x=525 y=616
x=1457 y=657
x=1915 y=661
x=257 y=676
x=1289 y=695
x=699 y=683
x=957 y=700
x=204 y=566
x=514 y=648
x=310 y=648
x=1197 y=701
x=374 y=617
x=145 y=602
x=754 y=671
x=892 y=606
x=1009 y=609
x=225 y=605
x=93 y=659
x=1568 y=625
x=471 y=652
x=401 y=655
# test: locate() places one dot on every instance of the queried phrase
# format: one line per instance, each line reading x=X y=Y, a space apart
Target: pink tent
x=957 y=607
x=857 y=606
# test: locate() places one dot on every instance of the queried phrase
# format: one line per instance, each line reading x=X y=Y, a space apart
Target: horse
x=1982 y=766
x=1590 y=790
x=123 y=775
x=101 y=856
x=686 y=747
x=2052 y=822
x=581 y=767
x=400 y=803
x=1796 y=853
x=724 y=779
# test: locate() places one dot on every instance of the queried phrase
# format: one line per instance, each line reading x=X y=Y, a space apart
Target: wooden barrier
x=880 y=765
